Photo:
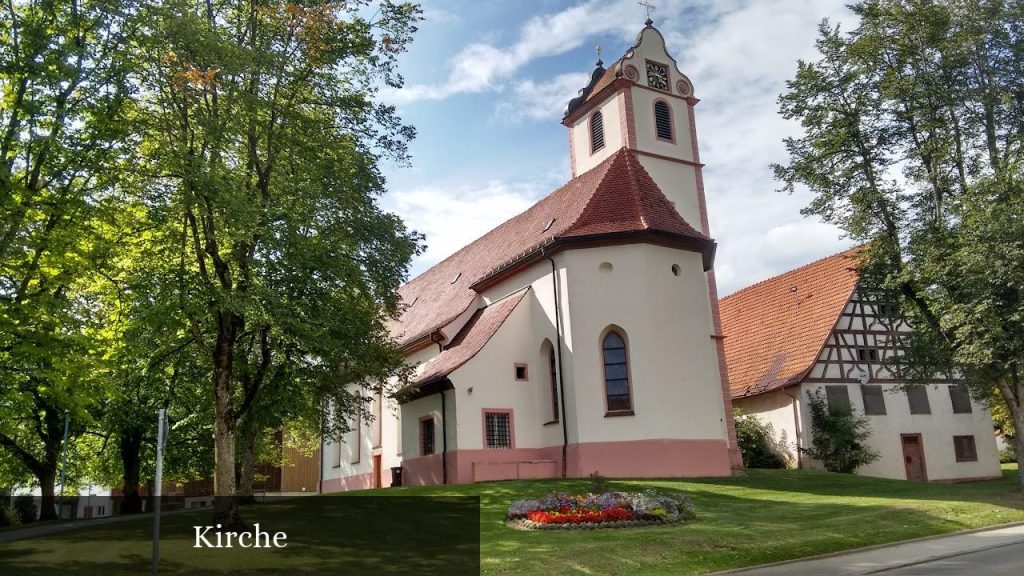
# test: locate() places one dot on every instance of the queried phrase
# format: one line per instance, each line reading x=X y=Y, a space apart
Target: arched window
x=616 y=372
x=663 y=120
x=549 y=384
x=553 y=372
x=596 y=132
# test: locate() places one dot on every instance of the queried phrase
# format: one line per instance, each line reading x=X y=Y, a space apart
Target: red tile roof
x=775 y=329
x=615 y=196
x=477 y=332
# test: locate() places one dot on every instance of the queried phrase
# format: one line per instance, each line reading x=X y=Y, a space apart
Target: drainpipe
x=561 y=378
x=796 y=426
x=444 y=431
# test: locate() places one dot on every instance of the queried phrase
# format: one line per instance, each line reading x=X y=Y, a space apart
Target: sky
x=486 y=83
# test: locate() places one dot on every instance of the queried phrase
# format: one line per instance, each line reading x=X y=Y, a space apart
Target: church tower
x=643 y=103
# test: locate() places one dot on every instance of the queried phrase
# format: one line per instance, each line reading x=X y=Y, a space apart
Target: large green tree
x=264 y=141
x=64 y=94
x=913 y=132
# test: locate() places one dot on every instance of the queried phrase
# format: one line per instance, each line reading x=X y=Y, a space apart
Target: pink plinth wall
x=665 y=458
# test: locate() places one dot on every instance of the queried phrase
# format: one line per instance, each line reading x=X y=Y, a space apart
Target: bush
x=838 y=436
x=25 y=508
x=754 y=438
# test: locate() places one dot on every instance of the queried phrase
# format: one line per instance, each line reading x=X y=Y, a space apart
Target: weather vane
x=598 y=50
x=648 y=7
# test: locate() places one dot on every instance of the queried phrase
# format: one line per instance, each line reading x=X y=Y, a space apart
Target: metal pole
x=161 y=436
x=63 y=468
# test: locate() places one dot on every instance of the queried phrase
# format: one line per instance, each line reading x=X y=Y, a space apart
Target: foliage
x=264 y=148
x=838 y=436
x=598 y=483
x=755 y=439
x=912 y=143
x=25 y=509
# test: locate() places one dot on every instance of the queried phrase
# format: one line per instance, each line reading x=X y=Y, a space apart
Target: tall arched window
x=663 y=120
x=616 y=372
x=596 y=132
x=553 y=372
x=549 y=384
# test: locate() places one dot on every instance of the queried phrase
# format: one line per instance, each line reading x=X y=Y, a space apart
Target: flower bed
x=606 y=510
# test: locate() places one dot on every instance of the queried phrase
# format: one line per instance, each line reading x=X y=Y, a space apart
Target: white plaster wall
x=936 y=429
x=643 y=117
x=678 y=182
x=674 y=369
x=778 y=410
x=613 y=137
x=428 y=406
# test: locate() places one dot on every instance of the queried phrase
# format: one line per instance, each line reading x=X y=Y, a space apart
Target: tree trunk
x=1018 y=437
x=131 y=448
x=47 y=504
x=248 y=475
x=225 y=511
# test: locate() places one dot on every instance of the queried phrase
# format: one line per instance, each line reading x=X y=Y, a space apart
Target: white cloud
x=739 y=54
x=541 y=100
x=450 y=219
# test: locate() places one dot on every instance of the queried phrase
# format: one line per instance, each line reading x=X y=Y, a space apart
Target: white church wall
x=644 y=98
x=679 y=184
x=488 y=380
x=674 y=371
x=778 y=410
x=936 y=429
x=613 y=137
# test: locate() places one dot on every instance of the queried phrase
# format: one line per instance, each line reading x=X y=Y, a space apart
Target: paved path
x=57 y=527
x=993 y=552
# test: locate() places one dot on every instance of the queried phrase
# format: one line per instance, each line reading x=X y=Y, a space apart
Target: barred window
x=596 y=132
x=961 y=400
x=663 y=120
x=965 y=449
x=498 y=428
x=918 y=398
x=616 y=373
x=838 y=398
x=867 y=354
x=874 y=400
x=427 y=436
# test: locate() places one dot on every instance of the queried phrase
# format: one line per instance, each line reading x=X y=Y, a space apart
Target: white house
x=812 y=329
x=580 y=336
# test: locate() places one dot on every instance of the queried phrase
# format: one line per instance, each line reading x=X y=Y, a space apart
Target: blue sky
x=486 y=83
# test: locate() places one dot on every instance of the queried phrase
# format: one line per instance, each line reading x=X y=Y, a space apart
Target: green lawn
x=764 y=516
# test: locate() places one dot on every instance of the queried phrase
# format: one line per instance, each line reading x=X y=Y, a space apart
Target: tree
x=62 y=136
x=838 y=436
x=264 y=142
x=912 y=141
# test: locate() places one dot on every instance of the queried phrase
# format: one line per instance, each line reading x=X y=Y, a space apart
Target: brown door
x=913 y=457
x=376 y=471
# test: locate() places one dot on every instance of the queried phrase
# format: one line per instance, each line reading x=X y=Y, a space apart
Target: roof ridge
x=792 y=271
x=608 y=171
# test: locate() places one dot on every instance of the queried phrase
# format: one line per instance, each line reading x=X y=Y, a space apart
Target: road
x=991 y=552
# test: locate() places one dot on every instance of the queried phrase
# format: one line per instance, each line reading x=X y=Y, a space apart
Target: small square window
x=498 y=427
x=874 y=400
x=965 y=449
x=522 y=373
x=961 y=400
x=867 y=354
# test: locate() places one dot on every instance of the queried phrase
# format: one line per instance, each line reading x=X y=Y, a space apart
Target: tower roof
x=615 y=201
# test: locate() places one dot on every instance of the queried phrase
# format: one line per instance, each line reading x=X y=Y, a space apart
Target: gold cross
x=647 y=6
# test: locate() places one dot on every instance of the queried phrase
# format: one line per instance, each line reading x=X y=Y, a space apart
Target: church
x=579 y=337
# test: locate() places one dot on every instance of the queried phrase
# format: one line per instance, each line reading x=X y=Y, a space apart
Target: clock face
x=657 y=76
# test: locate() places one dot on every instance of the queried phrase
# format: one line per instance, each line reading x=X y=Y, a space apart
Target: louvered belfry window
x=596 y=132
x=663 y=120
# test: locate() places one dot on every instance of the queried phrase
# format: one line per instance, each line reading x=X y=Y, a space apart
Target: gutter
x=797 y=427
x=561 y=378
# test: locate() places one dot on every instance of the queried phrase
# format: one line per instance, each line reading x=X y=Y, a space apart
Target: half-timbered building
x=812 y=329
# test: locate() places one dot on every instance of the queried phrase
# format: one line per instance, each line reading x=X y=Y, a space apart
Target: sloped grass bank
x=763 y=516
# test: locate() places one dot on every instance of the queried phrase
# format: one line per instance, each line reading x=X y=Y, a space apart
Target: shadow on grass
x=325 y=536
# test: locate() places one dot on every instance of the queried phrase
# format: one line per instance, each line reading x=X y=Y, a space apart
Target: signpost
x=161 y=438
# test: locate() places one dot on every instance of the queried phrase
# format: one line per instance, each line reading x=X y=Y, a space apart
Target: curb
x=827 y=555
